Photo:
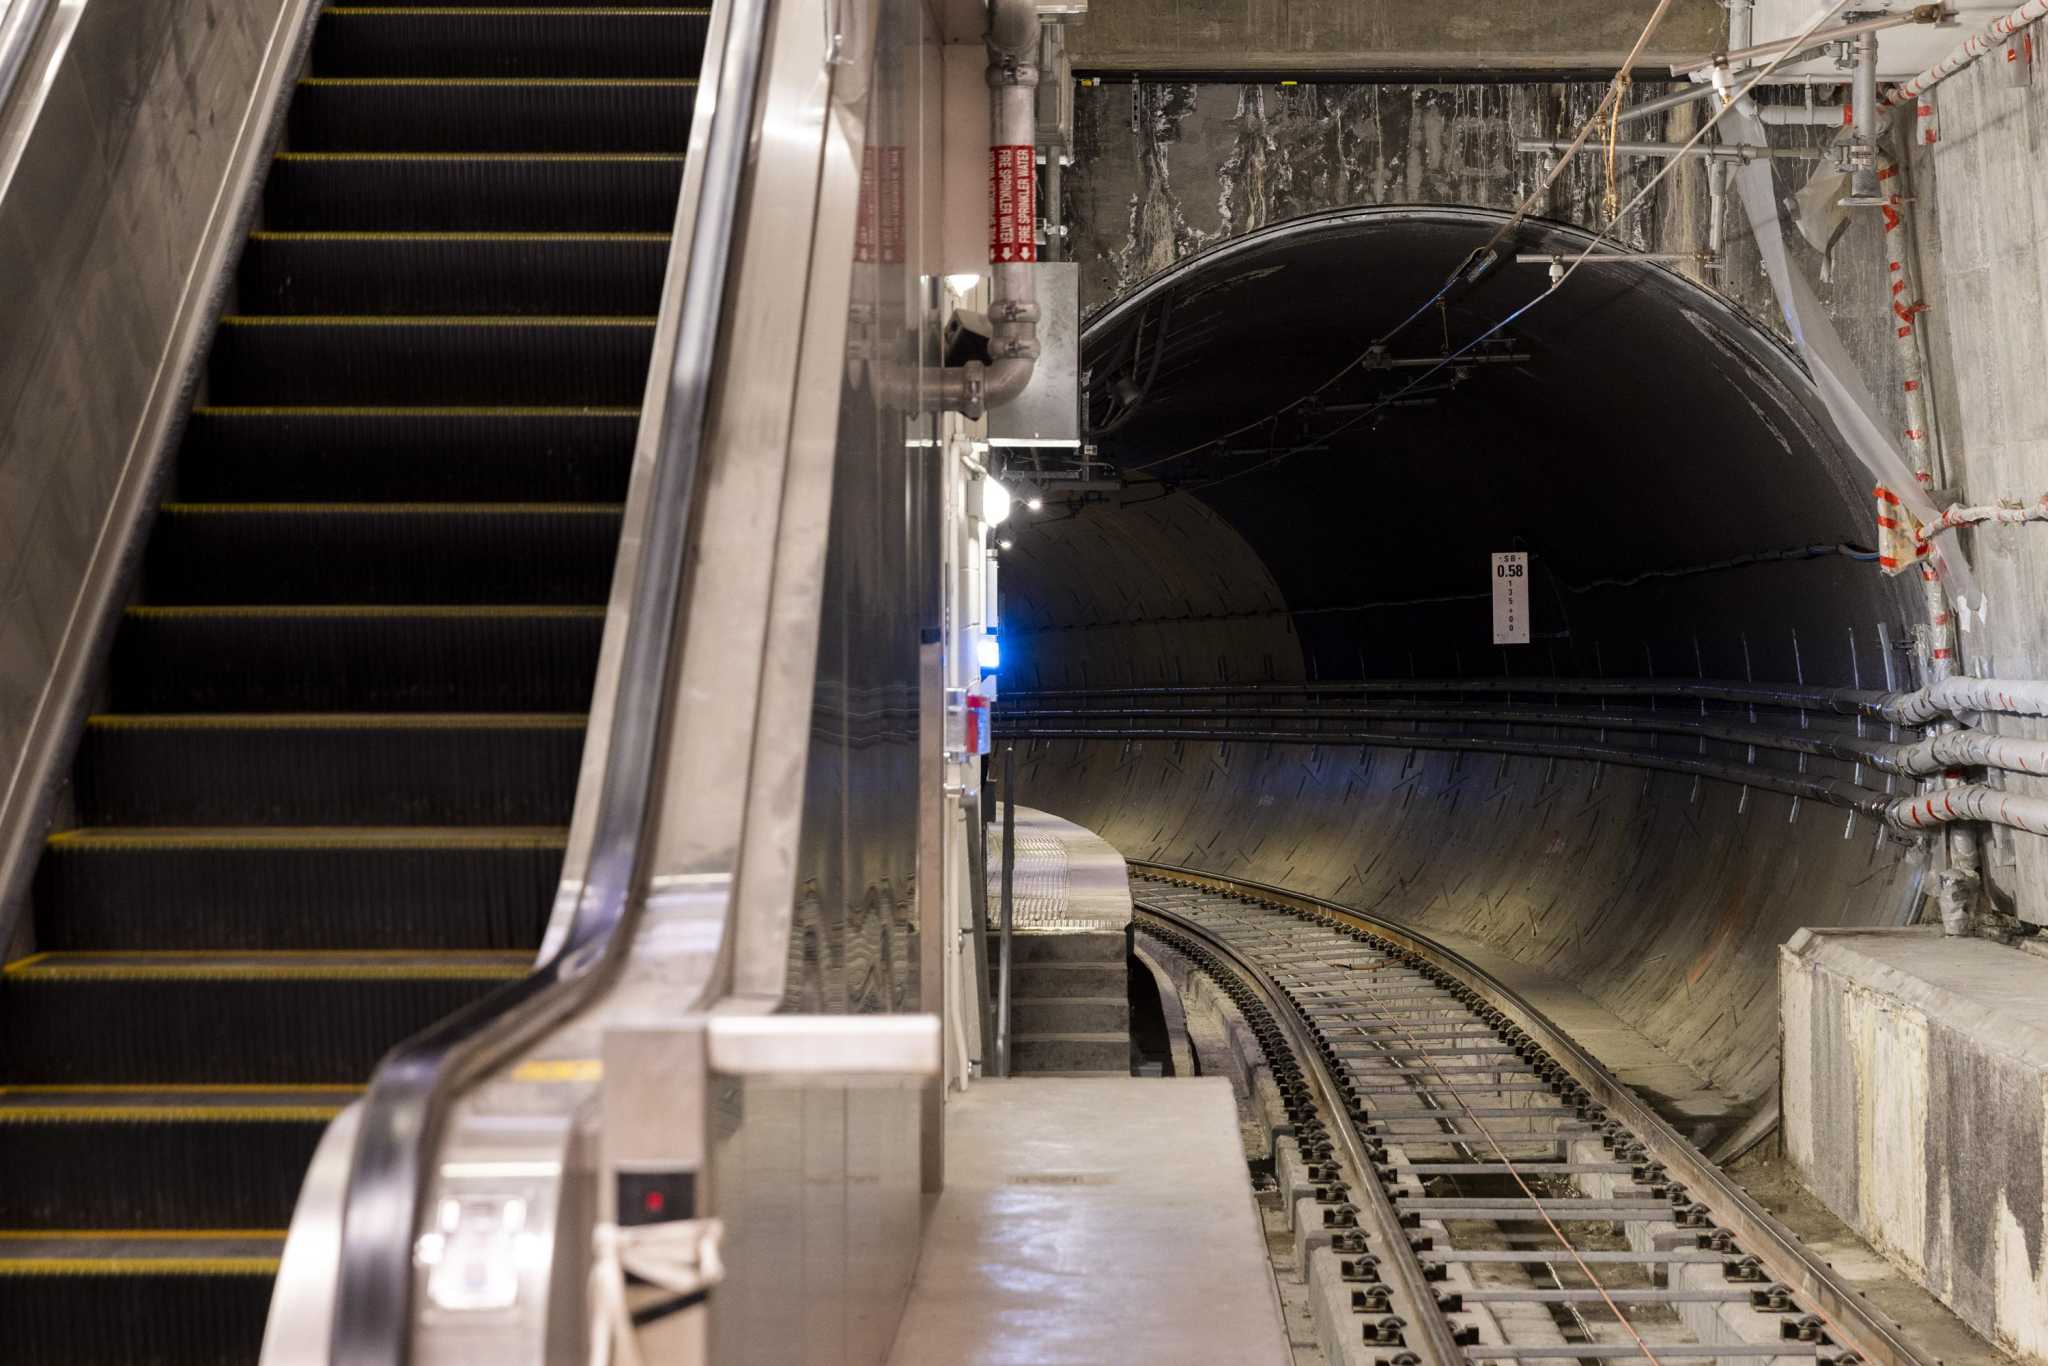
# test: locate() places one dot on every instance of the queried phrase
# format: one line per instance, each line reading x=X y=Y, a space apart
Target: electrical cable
x=1477 y=258
x=1560 y=276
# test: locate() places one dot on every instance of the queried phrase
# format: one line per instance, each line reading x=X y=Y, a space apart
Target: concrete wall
x=1916 y=1105
x=1989 y=191
x=99 y=233
x=1285 y=36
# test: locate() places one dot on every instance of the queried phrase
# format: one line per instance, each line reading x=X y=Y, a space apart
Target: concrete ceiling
x=1302 y=39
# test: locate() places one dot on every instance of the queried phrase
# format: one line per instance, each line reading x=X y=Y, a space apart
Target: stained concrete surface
x=1916 y=1107
x=1064 y=1238
x=1290 y=36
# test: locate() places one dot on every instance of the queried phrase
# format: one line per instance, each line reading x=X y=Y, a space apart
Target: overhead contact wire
x=1792 y=47
x=1614 y=92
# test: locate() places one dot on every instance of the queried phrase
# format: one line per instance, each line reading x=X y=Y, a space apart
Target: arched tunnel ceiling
x=1650 y=427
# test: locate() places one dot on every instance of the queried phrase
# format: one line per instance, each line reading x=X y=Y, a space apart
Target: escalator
x=321 y=799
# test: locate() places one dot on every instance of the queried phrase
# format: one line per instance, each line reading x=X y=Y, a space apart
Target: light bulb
x=995 y=502
x=988 y=652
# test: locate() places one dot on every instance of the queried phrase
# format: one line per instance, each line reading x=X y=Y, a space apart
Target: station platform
x=1068 y=1237
x=1068 y=878
x=1070 y=899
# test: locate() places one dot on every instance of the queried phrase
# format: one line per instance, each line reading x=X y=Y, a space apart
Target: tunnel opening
x=1311 y=501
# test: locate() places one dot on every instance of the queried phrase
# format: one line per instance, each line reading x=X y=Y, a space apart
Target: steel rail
x=1438 y=1346
x=1777 y=1250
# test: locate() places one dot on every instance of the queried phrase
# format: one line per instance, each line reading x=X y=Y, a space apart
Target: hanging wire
x=1475 y=261
x=1791 y=48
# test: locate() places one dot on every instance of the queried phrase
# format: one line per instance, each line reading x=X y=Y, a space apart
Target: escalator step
x=435 y=114
x=224 y=1019
x=102 y=1300
x=463 y=274
x=396 y=192
x=59 y=1146
x=389 y=554
x=442 y=41
x=340 y=769
x=297 y=888
x=194 y=659
x=392 y=361
x=408 y=455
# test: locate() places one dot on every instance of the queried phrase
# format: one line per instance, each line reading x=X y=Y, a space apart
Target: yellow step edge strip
x=496 y=11
x=138 y=1235
x=267 y=235
x=139 y=1266
x=361 y=972
x=168 y=1114
x=504 y=82
x=621 y=157
x=402 y=320
x=330 y=410
x=409 y=509
x=339 y=721
x=300 y=839
x=344 y=611
x=186 y=1088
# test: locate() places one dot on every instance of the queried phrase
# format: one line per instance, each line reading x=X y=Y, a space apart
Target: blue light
x=988 y=652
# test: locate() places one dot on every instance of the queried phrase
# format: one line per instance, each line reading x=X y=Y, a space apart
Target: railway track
x=1470 y=1184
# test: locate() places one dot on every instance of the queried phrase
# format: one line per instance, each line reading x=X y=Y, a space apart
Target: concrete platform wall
x=1916 y=1106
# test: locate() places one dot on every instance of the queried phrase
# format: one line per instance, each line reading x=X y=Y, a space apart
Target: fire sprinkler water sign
x=1511 y=597
x=1013 y=205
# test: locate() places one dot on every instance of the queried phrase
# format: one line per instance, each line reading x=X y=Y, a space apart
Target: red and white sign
x=1012 y=205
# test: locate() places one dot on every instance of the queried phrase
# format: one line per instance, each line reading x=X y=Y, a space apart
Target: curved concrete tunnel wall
x=1662 y=896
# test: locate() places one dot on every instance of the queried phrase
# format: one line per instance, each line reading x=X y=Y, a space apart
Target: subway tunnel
x=1295 y=512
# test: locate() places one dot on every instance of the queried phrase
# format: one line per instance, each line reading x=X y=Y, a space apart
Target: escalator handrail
x=409 y=1098
x=21 y=23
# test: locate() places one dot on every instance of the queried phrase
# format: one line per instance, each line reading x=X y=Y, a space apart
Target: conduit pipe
x=1711 y=151
x=1948 y=806
x=1978 y=44
x=1919 y=759
x=1949 y=697
x=1919 y=14
x=973 y=388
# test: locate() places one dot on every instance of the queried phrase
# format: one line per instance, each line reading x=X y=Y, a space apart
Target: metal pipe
x=1923 y=706
x=1977 y=45
x=1803 y=115
x=1920 y=759
x=974 y=388
x=1009 y=906
x=1682 y=97
x=1713 y=151
x=1864 y=191
x=1537 y=258
x=1919 y=14
x=977 y=872
x=1914 y=814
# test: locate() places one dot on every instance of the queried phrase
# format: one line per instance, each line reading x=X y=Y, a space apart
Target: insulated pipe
x=1999 y=30
x=1013 y=287
x=2003 y=514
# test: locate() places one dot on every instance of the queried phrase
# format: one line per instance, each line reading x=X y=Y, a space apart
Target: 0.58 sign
x=1511 y=597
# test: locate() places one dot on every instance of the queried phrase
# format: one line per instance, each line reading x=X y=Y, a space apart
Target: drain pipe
x=974 y=388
